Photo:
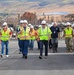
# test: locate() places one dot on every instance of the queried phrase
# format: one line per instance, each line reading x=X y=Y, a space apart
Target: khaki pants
x=73 y=44
x=68 y=42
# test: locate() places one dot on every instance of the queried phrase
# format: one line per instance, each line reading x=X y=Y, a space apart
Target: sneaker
x=40 y=57
x=7 y=56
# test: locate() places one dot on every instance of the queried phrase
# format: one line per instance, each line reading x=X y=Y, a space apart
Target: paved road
x=60 y=63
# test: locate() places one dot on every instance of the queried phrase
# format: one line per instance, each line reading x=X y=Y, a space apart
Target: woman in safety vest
x=5 y=35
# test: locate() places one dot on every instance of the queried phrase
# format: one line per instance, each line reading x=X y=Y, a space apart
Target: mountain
x=34 y=5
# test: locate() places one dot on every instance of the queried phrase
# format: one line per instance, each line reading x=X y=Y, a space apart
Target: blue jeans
x=24 y=46
x=19 y=44
x=6 y=44
x=31 y=44
x=54 y=44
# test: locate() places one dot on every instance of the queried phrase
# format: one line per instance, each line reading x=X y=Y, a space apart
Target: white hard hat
x=25 y=21
x=5 y=23
x=68 y=23
x=39 y=26
x=21 y=21
x=50 y=25
x=43 y=22
x=31 y=26
x=73 y=25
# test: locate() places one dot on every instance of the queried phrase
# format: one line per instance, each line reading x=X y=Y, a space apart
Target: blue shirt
x=55 y=31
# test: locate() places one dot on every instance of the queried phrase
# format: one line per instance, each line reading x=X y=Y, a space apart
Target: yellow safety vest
x=32 y=35
x=25 y=34
x=68 y=32
x=21 y=28
x=44 y=33
x=5 y=35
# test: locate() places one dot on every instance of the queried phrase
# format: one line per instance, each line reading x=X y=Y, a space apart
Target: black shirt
x=55 y=31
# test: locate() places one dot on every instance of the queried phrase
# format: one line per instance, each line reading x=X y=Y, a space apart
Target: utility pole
x=19 y=19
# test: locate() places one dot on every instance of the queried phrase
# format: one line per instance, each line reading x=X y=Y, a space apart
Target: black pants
x=50 y=44
x=38 y=43
x=45 y=43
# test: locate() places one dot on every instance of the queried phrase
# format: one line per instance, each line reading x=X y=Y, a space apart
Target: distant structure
x=31 y=17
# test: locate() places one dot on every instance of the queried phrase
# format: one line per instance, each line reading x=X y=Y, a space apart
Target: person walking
x=73 y=37
x=68 y=34
x=44 y=34
x=32 y=37
x=20 y=27
x=54 y=36
x=24 y=37
x=5 y=35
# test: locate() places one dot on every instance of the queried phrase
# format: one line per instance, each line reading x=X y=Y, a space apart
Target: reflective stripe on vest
x=21 y=28
x=24 y=35
x=32 y=35
x=44 y=34
x=5 y=35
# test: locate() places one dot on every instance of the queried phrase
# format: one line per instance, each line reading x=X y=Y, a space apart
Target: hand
x=38 y=39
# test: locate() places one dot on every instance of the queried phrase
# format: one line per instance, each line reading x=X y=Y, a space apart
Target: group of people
x=44 y=35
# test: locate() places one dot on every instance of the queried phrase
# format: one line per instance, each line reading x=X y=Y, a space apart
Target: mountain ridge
x=33 y=5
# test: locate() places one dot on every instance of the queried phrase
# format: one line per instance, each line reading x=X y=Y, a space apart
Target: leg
x=56 y=44
x=50 y=44
x=6 y=43
x=67 y=44
x=31 y=44
x=25 y=52
x=20 y=49
x=53 y=44
x=38 y=43
x=70 y=44
x=41 y=49
x=2 y=44
x=46 y=48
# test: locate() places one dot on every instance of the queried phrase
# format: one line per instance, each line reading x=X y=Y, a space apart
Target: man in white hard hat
x=5 y=37
x=44 y=35
x=20 y=28
x=68 y=34
x=32 y=37
x=25 y=37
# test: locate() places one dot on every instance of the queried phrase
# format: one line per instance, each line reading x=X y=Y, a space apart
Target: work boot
x=26 y=57
x=40 y=57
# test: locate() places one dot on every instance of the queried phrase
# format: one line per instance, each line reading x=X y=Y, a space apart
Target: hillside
x=38 y=6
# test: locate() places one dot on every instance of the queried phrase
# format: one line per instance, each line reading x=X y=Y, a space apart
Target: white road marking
x=52 y=53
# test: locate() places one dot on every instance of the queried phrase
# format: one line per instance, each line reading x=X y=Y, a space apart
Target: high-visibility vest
x=21 y=28
x=32 y=35
x=36 y=34
x=68 y=32
x=25 y=34
x=44 y=33
x=5 y=35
